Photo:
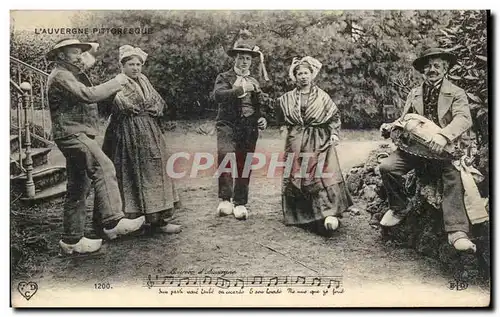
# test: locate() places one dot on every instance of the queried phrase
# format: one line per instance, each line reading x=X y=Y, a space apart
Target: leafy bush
x=366 y=55
x=466 y=36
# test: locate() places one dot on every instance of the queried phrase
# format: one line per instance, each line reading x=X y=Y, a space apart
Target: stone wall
x=422 y=229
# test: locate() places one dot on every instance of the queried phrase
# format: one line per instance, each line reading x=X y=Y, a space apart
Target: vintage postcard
x=225 y=158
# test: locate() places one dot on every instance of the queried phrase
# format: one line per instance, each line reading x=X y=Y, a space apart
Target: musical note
x=224 y=282
x=205 y=280
x=336 y=282
x=452 y=285
x=275 y=279
x=184 y=279
x=255 y=278
x=239 y=281
x=316 y=279
x=300 y=278
x=168 y=277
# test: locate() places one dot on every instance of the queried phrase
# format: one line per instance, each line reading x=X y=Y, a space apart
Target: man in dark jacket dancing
x=238 y=122
x=73 y=110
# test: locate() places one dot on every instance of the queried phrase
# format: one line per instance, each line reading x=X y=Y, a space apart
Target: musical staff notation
x=329 y=282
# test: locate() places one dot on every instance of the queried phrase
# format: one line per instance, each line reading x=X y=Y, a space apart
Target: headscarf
x=129 y=50
x=308 y=60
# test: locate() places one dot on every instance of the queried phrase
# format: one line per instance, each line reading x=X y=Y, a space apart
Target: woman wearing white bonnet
x=136 y=144
x=311 y=121
x=127 y=52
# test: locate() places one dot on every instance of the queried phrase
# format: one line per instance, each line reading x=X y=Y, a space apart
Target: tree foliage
x=466 y=36
x=366 y=55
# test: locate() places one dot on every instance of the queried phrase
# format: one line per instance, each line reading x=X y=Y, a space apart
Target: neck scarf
x=241 y=77
x=435 y=84
x=431 y=97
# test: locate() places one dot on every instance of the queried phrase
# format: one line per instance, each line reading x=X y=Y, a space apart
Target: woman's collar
x=313 y=87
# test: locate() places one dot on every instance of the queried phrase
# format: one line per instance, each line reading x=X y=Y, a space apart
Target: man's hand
x=385 y=130
x=437 y=143
x=262 y=123
x=88 y=60
x=122 y=79
x=248 y=87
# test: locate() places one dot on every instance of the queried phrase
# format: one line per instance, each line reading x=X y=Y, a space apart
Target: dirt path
x=369 y=268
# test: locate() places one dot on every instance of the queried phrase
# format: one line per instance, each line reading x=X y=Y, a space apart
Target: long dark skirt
x=310 y=199
x=301 y=208
x=138 y=150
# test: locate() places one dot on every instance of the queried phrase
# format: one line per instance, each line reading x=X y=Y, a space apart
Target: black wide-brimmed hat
x=51 y=55
x=243 y=48
x=434 y=52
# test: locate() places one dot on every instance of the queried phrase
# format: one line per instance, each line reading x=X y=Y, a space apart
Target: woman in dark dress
x=135 y=143
x=312 y=123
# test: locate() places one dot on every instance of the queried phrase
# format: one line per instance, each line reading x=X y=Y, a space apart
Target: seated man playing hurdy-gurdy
x=442 y=109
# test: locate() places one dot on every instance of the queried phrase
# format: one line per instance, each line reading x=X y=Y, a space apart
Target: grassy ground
x=356 y=251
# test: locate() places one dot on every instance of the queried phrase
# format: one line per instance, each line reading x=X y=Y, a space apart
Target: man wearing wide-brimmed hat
x=446 y=105
x=73 y=109
x=239 y=118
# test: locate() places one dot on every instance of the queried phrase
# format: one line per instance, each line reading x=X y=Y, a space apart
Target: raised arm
x=87 y=94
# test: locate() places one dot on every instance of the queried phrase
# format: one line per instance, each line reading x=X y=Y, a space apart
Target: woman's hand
x=283 y=131
x=133 y=110
x=335 y=139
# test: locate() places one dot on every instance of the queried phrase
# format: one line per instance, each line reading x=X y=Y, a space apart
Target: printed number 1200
x=102 y=286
